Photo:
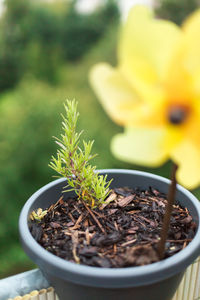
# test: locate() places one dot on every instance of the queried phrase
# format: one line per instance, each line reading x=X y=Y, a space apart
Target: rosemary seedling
x=72 y=162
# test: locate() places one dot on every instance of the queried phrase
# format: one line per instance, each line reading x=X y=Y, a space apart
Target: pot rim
x=132 y=275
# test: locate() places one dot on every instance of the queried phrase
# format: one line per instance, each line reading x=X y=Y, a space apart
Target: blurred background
x=46 y=51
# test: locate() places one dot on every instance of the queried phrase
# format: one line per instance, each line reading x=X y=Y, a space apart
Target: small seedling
x=38 y=215
x=72 y=162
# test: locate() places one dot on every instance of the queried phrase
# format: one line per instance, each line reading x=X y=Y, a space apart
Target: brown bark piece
x=125 y=201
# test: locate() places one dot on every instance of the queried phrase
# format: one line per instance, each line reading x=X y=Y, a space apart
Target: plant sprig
x=72 y=162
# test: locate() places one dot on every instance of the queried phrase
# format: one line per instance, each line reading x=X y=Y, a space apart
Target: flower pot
x=72 y=281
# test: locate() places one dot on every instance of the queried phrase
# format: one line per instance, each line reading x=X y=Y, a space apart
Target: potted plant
x=69 y=273
x=154 y=94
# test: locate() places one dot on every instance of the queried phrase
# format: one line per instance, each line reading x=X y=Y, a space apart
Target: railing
x=189 y=289
x=33 y=286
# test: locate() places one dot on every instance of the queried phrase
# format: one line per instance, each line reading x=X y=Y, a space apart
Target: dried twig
x=94 y=218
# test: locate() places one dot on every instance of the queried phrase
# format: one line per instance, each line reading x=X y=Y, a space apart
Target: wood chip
x=75 y=243
x=125 y=201
x=87 y=236
x=111 y=197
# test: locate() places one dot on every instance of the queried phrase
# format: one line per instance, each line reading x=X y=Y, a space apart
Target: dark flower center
x=177 y=114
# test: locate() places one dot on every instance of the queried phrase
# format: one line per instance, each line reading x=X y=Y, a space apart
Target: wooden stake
x=168 y=212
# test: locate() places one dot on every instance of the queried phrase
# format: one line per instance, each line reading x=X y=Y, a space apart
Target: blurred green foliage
x=36 y=39
x=80 y=32
x=176 y=10
x=12 y=42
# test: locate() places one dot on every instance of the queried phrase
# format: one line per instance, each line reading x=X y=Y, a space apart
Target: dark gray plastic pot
x=77 y=282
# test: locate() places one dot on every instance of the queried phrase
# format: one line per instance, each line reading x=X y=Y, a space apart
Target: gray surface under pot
x=72 y=281
x=22 y=284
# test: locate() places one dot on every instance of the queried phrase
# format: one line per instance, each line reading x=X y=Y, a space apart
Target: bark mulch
x=123 y=232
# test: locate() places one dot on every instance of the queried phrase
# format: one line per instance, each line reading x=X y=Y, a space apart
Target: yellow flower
x=154 y=92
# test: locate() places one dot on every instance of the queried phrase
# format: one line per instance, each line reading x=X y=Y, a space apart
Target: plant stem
x=168 y=212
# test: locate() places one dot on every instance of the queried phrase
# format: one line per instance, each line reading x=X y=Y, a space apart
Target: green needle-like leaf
x=72 y=162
